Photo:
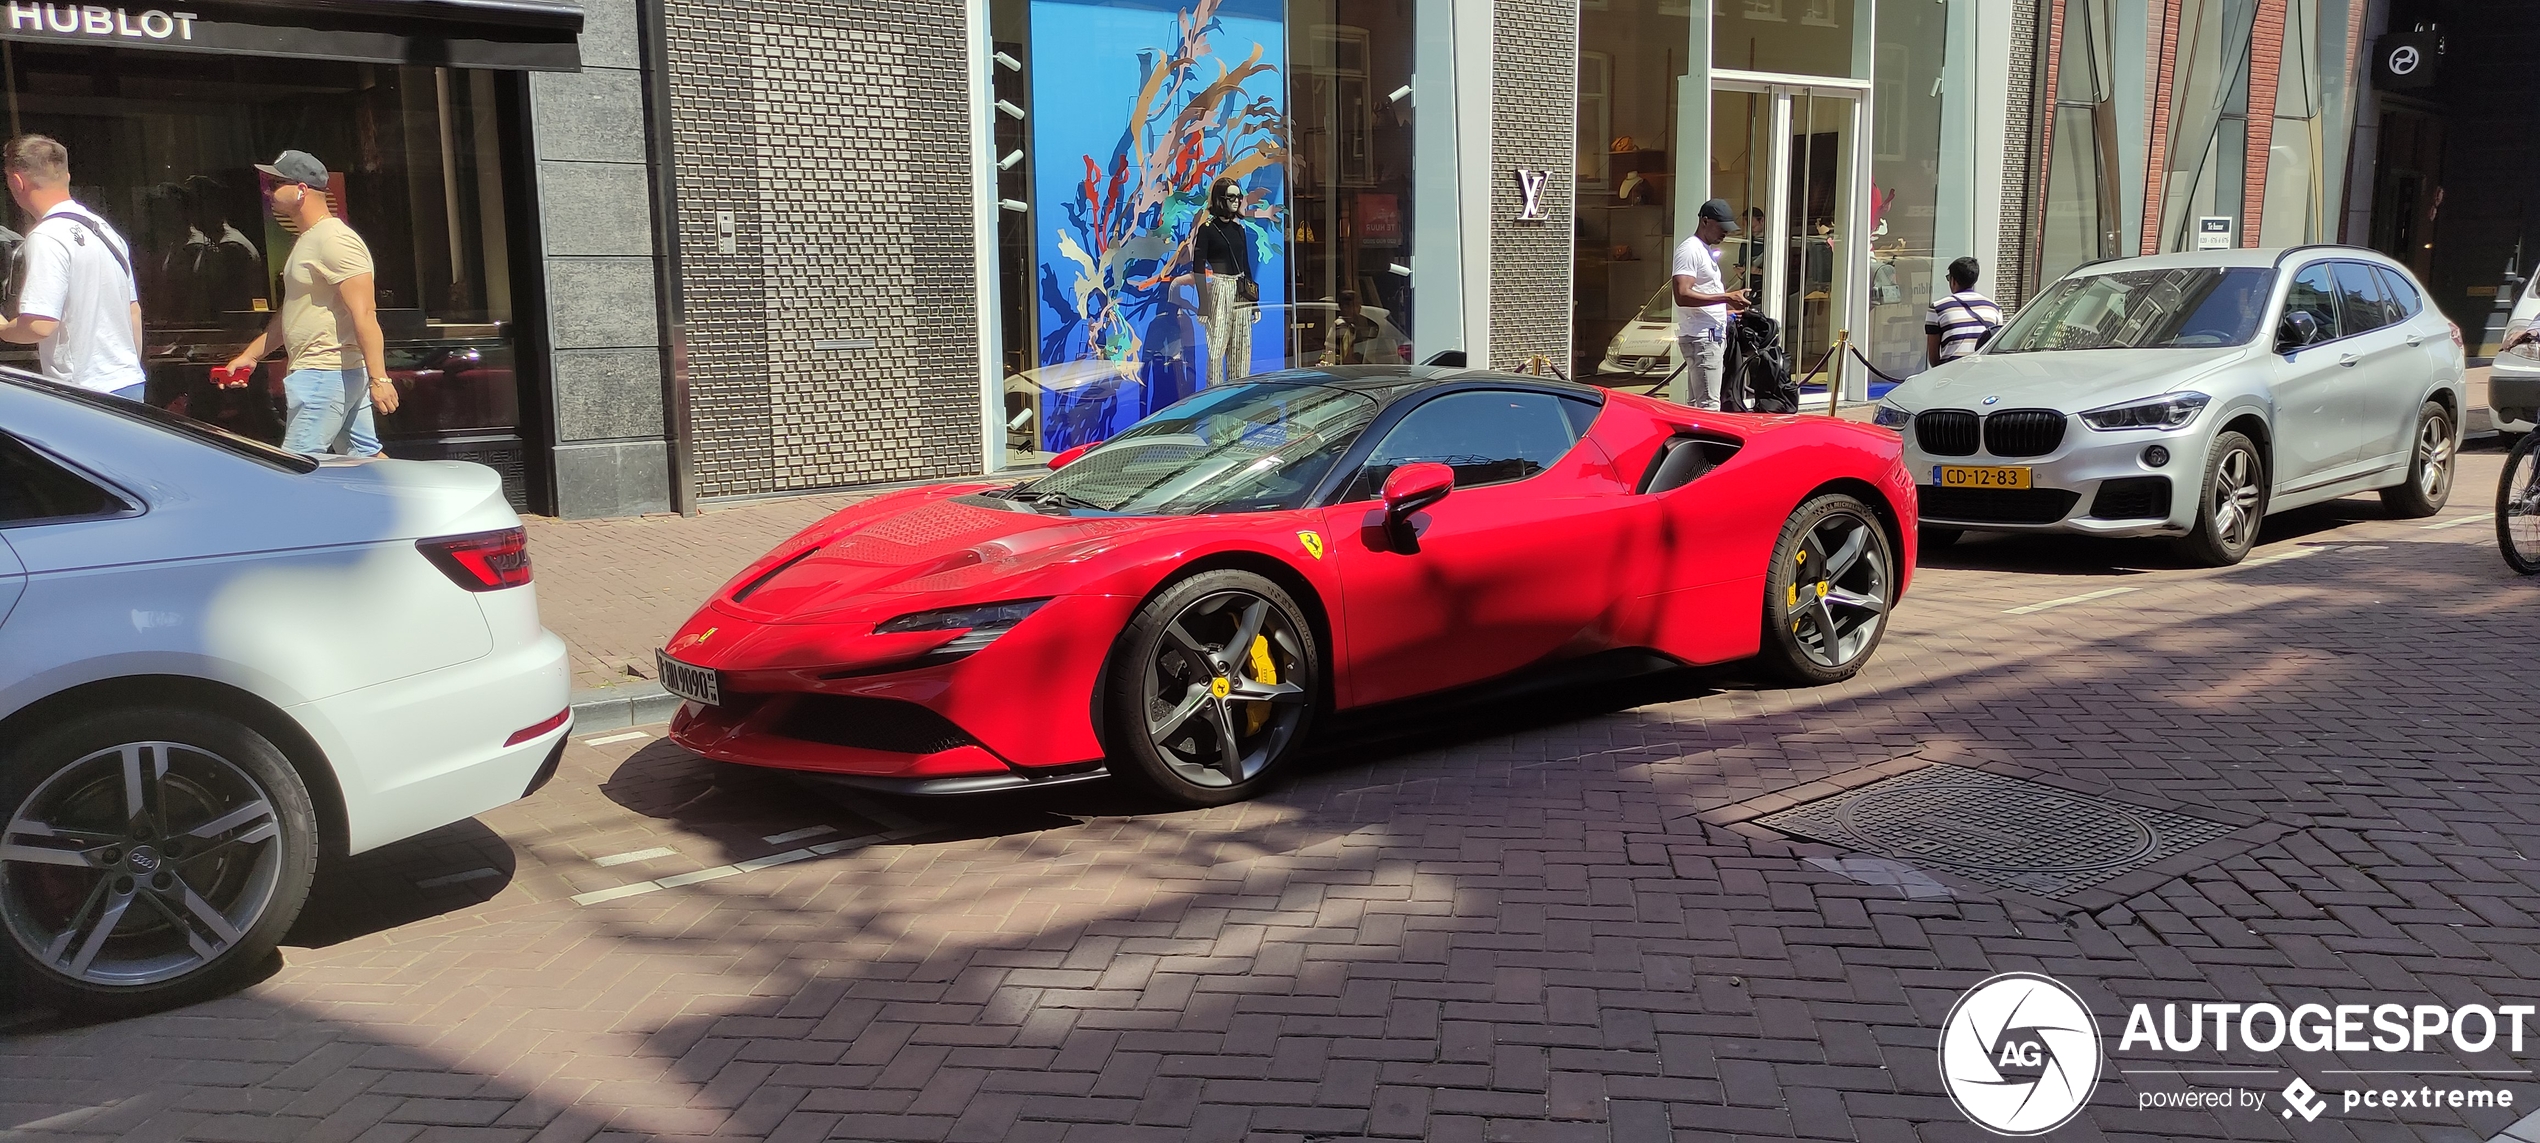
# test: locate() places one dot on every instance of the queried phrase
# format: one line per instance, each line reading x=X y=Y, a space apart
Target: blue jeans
x=134 y=391
x=328 y=411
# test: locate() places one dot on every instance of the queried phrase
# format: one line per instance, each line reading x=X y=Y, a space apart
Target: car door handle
x=2416 y=341
x=2348 y=359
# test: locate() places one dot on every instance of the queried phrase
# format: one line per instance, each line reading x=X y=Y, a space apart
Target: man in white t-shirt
x=77 y=304
x=1703 y=305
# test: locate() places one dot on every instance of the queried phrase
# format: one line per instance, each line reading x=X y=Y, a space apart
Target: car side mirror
x=1063 y=459
x=2297 y=330
x=1414 y=487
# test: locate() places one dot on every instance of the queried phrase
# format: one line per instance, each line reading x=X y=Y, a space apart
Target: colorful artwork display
x=1138 y=105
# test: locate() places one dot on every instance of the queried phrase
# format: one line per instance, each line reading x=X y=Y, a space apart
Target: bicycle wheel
x=2518 y=506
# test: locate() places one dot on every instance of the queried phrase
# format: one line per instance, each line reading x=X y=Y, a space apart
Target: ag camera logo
x=2019 y=1054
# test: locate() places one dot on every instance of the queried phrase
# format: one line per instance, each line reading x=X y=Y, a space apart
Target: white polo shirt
x=73 y=277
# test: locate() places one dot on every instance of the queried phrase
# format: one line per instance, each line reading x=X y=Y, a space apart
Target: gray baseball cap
x=1717 y=210
x=297 y=167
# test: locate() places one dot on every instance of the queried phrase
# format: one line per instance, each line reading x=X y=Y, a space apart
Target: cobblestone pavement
x=1545 y=921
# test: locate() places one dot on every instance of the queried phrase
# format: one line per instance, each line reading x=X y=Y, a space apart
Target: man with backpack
x=1959 y=324
x=78 y=303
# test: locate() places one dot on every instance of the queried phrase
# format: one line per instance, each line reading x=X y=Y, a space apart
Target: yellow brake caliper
x=1799 y=558
x=1257 y=714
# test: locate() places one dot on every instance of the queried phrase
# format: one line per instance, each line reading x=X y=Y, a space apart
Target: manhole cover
x=2001 y=831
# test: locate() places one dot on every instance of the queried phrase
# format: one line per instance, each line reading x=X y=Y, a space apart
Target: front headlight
x=981 y=617
x=1890 y=417
x=979 y=626
x=2168 y=411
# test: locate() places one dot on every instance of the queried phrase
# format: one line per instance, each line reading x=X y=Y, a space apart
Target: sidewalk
x=616 y=589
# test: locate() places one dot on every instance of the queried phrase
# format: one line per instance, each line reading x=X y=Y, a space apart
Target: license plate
x=695 y=684
x=1978 y=476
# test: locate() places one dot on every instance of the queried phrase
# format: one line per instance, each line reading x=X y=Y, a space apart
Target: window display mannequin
x=1221 y=258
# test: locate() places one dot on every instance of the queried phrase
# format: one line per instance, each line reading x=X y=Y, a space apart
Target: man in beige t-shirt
x=328 y=323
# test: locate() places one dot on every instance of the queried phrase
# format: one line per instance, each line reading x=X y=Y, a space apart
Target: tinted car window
x=2359 y=299
x=34 y=490
x=1233 y=448
x=2405 y=302
x=1486 y=437
x=2180 y=308
x=2313 y=292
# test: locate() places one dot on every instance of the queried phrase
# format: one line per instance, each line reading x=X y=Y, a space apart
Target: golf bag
x=1757 y=371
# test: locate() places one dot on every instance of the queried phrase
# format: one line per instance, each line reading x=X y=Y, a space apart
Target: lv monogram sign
x=1530 y=194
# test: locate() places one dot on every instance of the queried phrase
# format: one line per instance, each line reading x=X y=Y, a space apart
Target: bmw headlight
x=2168 y=411
x=1890 y=417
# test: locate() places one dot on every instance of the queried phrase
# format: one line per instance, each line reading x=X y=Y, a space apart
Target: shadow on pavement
x=2073 y=555
x=1525 y=927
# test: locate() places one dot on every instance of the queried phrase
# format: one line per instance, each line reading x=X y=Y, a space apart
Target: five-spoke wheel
x=1826 y=599
x=149 y=856
x=1214 y=687
x=2233 y=504
x=2429 y=483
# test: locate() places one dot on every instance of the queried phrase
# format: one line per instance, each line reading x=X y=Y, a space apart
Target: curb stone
x=616 y=708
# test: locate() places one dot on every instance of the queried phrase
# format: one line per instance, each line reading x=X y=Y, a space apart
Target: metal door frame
x=1783 y=89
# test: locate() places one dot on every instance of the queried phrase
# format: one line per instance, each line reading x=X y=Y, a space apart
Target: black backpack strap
x=96 y=228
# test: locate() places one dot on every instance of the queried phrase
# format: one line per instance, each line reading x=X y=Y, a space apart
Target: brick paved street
x=1553 y=923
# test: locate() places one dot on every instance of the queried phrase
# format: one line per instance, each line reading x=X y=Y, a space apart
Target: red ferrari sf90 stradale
x=1177 y=605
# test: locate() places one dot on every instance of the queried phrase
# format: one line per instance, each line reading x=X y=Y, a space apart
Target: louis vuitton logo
x=1530 y=191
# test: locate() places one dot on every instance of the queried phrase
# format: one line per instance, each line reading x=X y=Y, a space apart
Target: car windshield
x=1661 y=307
x=2183 y=308
x=1244 y=448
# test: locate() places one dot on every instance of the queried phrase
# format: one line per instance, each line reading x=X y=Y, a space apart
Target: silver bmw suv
x=2190 y=395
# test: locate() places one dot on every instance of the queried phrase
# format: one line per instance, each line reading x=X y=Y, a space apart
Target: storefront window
x=2081 y=221
x=1907 y=265
x=1115 y=121
x=1803 y=37
x=2209 y=98
x=164 y=147
x=1631 y=54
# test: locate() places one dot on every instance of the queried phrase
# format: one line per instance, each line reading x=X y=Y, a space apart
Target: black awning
x=527 y=35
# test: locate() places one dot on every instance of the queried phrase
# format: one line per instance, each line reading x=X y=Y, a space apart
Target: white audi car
x=221 y=664
x=2191 y=395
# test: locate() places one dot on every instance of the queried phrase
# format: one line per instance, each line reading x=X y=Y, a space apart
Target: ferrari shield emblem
x=1313 y=542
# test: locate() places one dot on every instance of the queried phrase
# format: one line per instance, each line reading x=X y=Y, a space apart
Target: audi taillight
x=481 y=561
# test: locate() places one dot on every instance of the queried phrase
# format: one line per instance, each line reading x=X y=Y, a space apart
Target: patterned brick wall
x=2015 y=262
x=1534 y=116
x=836 y=131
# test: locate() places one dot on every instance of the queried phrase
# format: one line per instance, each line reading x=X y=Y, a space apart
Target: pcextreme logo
x=2019 y=1054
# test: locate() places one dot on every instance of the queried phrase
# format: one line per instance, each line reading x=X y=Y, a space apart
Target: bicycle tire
x=2518 y=506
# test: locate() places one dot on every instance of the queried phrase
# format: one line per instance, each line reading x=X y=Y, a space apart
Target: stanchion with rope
x=1841 y=339
x=1540 y=364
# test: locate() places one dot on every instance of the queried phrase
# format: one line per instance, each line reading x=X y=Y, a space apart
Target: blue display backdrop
x=1136 y=108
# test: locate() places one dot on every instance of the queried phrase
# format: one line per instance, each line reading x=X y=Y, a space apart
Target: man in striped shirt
x=1957 y=324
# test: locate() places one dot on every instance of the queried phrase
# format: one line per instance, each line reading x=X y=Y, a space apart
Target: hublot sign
x=533 y=35
x=98 y=20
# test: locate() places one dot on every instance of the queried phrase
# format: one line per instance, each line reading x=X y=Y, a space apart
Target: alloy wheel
x=2235 y=498
x=1222 y=690
x=1838 y=596
x=2434 y=459
x=139 y=863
